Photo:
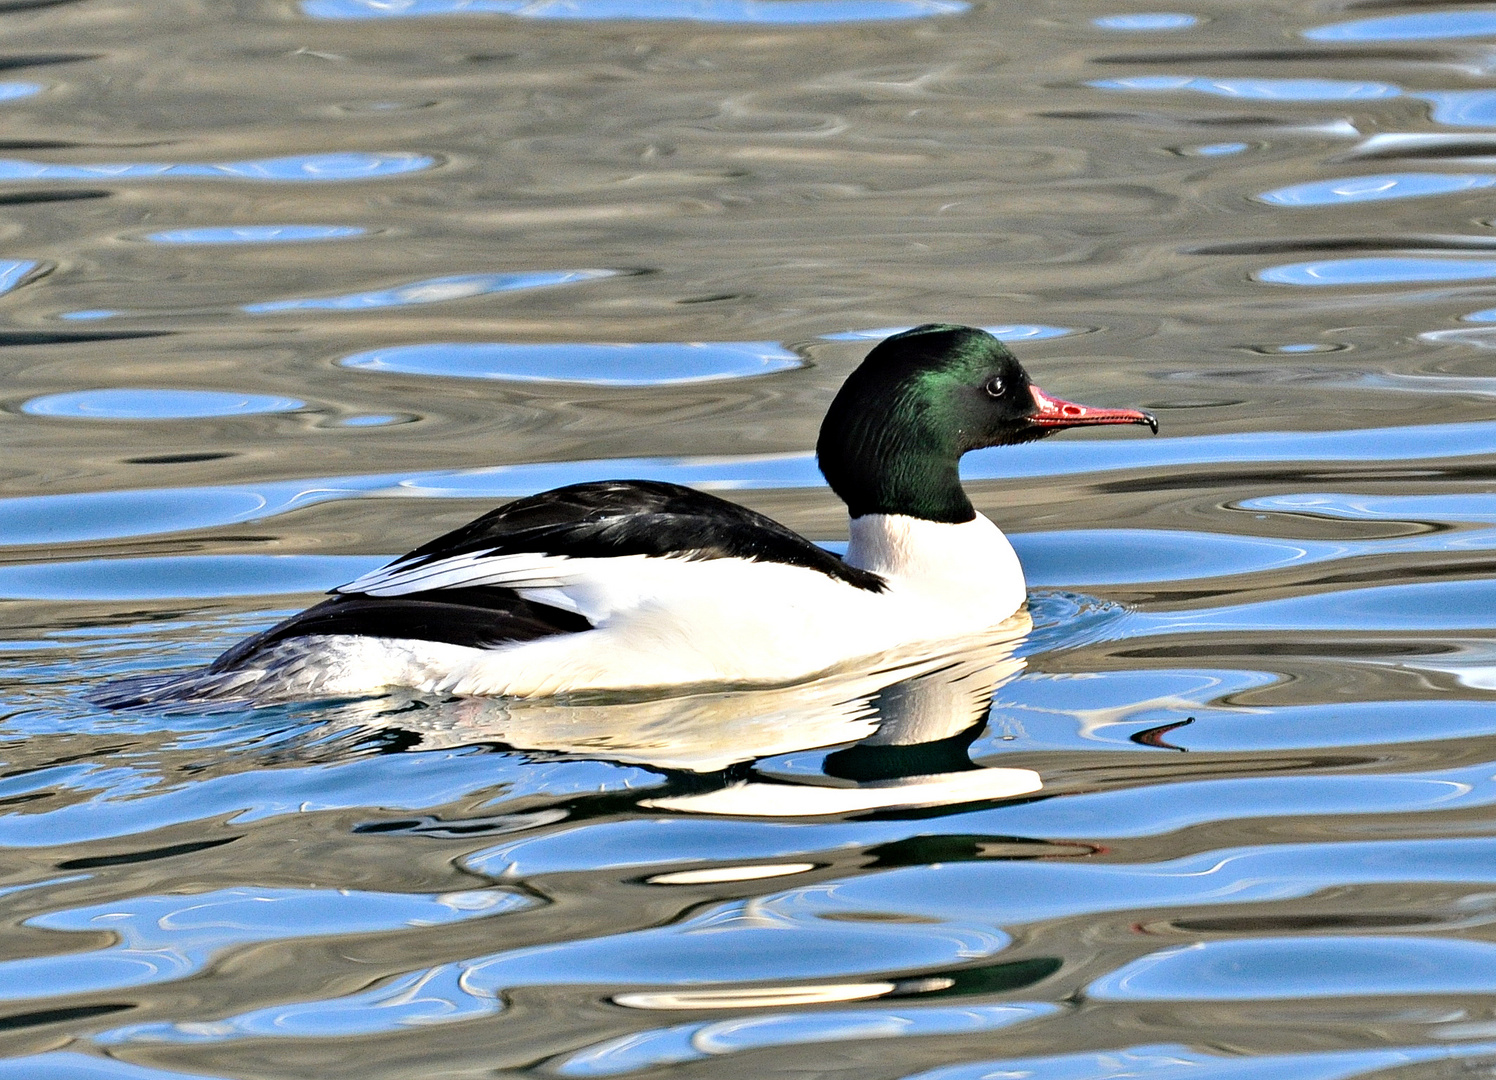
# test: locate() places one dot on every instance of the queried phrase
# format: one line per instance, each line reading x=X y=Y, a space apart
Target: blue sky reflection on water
x=1220 y=149
x=182 y=576
x=1145 y=20
x=1376 y=188
x=160 y=939
x=256 y=234
x=14 y=271
x=1415 y=26
x=1178 y=1062
x=1005 y=332
x=640 y=364
x=71 y=1065
x=430 y=291
x=1379 y=270
x=1463 y=108
x=1256 y=89
x=698 y=1041
x=421 y=998
x=340 y=167
x=139 y=404
x=1297 y=967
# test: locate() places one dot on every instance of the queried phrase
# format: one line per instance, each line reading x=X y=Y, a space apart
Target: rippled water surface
x=287 y=288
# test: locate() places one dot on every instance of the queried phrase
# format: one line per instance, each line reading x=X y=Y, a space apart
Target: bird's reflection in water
x=901 y=724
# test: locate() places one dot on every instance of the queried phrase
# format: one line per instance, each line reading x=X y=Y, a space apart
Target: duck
x=638 y=585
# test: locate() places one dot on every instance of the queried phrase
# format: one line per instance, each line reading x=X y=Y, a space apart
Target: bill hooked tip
x=1051 y=412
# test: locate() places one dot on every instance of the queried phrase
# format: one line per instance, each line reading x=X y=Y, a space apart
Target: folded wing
x=553 y=541
x=553 y=563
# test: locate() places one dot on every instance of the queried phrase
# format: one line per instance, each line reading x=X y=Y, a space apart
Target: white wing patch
x=595 y=588
x=523 y=570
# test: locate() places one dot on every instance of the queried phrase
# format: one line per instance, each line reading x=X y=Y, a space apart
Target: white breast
x=969 y=572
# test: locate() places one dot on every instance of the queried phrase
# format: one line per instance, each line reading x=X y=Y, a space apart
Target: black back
x=636 y=517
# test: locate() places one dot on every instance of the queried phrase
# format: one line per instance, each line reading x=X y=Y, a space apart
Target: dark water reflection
x=287 y=289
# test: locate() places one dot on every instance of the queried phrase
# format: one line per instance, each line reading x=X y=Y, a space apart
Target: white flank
x=678 y=621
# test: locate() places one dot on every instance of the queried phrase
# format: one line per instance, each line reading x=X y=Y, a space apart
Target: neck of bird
x=914 y=526
x=893 y=473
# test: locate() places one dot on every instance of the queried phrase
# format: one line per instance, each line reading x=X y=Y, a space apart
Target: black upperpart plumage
x=636 y=517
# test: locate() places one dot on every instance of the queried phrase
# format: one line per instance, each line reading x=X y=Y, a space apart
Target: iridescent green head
x=893 y=438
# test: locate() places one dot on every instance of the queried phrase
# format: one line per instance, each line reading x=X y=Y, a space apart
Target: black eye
x=995 y=387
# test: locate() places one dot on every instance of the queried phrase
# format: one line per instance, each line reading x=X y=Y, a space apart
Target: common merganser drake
x=635 y=584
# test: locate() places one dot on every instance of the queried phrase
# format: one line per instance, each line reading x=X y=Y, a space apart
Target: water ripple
x=68 y=1065
x=1379 y=270
x=1173 y=1062
x=434 y=996
x=1146 y=20
x=160 y=938
x=302 y=167
x=135 y=404
x=1109 y=710
x=1218 y=149
x=1006 y=332
x=1093 y=557
x=171 y=576
x=1418 y=26
x=1032 y=891
x=1434 y=605
x=431 y=291
x=126 y=800
x=255 y=234
x=1431 y=509
x=1258 y=687
x=1463 y=108
x=1257 y=89
x=695 y=1042
x=1303 y=967
x=14 y=271
x=1398 y=145
x=780 y=12
x=1011 y=893
x=656 y=364
x=777 y=937
x=1357 y=189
